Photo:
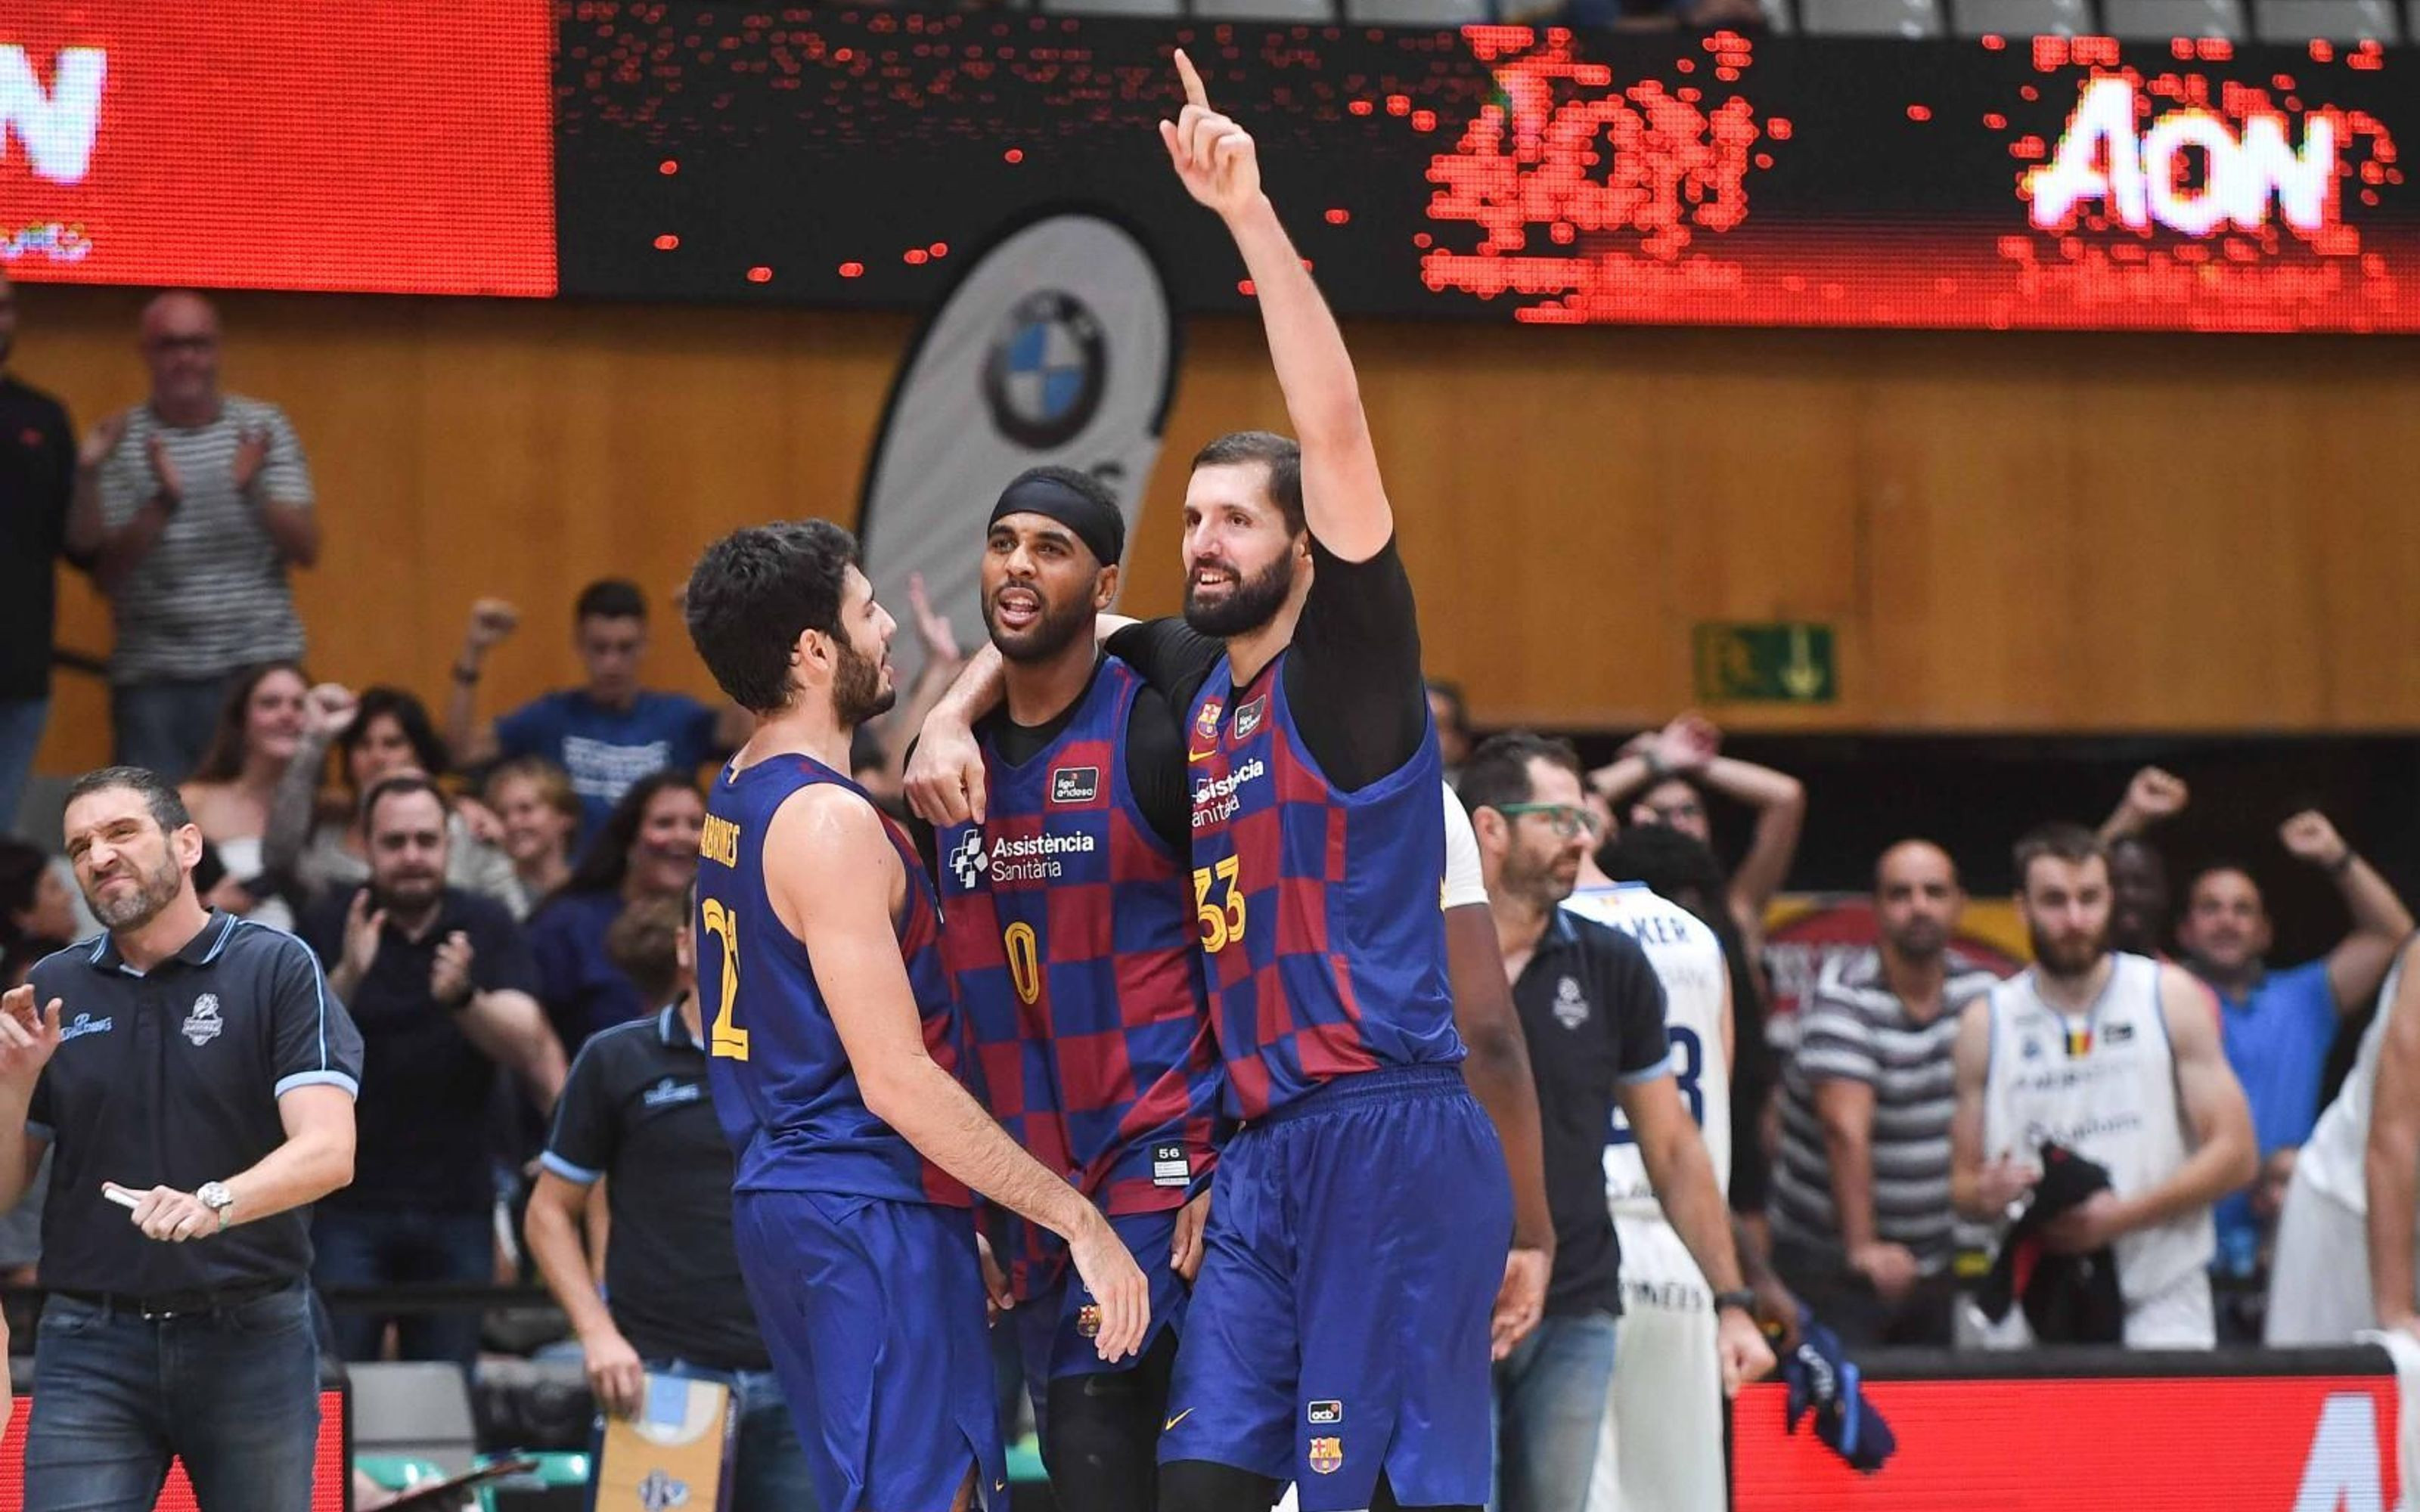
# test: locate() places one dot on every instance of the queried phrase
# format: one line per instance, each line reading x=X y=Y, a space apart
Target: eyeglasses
x=1568 y=819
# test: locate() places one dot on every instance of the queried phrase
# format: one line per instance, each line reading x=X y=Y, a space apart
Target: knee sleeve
x=1198 y=1486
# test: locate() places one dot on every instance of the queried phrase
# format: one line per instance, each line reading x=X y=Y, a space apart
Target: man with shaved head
x=192 y=506
x=1861 y=1215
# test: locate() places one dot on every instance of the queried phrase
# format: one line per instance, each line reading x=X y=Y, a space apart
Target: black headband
x=1098 y=525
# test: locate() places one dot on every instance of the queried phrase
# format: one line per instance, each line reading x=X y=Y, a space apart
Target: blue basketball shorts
x=1339 y=1327
x=873 y=1312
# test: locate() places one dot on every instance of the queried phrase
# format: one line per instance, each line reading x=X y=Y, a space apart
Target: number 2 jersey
x=783 y=1089
x=1068 y=930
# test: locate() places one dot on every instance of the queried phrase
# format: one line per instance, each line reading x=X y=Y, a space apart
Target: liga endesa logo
x=54 y=128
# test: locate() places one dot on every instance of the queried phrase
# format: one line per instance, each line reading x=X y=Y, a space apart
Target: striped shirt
x=1855 y=1028
x=211 y=596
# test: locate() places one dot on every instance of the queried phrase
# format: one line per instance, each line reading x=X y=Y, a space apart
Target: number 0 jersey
x=783 y=1089
x=1068 y=928
x=1316 y=908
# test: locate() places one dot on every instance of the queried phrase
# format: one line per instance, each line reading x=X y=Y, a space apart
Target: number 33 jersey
x=1068 y=930
x=1317 y=909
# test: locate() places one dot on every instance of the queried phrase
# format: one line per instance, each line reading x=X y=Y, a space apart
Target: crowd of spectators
x=464 y=880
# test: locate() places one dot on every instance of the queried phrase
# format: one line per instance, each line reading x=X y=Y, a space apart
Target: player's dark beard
x=2070 y=956
x=1253 y=603
x=858 y=693
x=1047 y=637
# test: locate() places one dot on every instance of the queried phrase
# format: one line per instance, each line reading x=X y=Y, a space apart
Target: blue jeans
x=166 y=725
x=1550 y=1396
x=770 y=1473
x=233 y=1394
x=373 y=1247
x=21 y=733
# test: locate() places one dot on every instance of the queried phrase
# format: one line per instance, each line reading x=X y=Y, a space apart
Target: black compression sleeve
x=1155 y=769
x=1353 y=675
x=1171 y=656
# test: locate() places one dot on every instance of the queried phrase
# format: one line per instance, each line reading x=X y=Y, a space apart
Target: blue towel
x=1821 y=1375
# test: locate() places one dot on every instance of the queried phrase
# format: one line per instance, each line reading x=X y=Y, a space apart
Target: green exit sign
x=1786 y=663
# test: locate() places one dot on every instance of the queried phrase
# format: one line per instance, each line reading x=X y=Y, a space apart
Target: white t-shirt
x=1464 y=883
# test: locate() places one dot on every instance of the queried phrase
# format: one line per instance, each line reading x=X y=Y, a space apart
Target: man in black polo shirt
x=199 y=1066
x=1593 y=1010
x=443 y=986
x=637 y=1110
x=37 y=472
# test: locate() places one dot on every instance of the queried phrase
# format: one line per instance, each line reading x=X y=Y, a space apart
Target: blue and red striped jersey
x=1068 y=928
x=783 y=1086
x=1317 y=908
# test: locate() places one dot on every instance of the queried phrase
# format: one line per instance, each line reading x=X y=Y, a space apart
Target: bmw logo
x=1047 y=371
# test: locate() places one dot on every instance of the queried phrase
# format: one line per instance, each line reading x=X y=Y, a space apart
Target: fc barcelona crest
x=1327 y=1455
x=1205 y=724
x=1088 y=1321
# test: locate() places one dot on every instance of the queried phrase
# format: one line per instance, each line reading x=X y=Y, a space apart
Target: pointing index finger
x=1194 y=92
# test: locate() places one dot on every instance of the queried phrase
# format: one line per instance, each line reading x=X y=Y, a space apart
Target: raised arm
x=1343 y=499
x=2391 y=1163
x=2381 y=923
x=473 y=742
x=834 y=878
x=2152 y=797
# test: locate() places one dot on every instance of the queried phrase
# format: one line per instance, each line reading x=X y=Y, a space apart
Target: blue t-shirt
x=581 y=990
x=2276 y=1038
x=607 y=750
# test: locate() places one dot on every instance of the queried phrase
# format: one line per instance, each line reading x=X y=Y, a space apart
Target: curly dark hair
x=754 y=593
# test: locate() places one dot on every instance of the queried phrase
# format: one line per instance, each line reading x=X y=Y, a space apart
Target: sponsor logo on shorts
x=1328 y=1412
x=1074 y=784
x=1327 y=1455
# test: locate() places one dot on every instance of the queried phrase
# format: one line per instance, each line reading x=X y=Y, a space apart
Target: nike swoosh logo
x=1192 y=755
x=1172 y=1422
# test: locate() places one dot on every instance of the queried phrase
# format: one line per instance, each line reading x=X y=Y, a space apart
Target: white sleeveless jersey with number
x=1688 y=960
x=2333 y=1158
x=2104 y=1084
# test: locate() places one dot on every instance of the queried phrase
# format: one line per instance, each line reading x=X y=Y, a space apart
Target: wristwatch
x=1744 y=1300
x=215 y=1196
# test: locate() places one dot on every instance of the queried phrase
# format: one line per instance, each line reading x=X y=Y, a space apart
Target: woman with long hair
x=646 y=849
x=230 y=794
x=314 y=836
x=538 y=819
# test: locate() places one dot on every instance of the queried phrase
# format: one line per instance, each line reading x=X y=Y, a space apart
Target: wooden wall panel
x=2016 y=532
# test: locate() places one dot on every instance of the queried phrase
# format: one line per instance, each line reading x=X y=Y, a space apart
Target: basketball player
x=2115 y=1058
x=1068 y=928
x=1367 y=1175
x=1662 y=1441
x=834 y=1051
x=2346 y=1241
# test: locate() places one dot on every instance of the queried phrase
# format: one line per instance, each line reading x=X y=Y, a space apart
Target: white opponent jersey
x=1688 y=960
x=2334 y=1158
x=2104 y=1084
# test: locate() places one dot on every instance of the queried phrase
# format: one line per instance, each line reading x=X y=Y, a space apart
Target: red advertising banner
x=279 y=144
x=2258 y=1444
x=331 y=1477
